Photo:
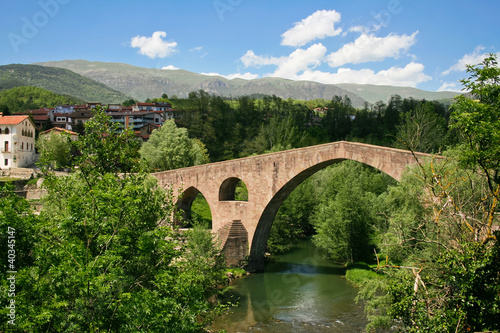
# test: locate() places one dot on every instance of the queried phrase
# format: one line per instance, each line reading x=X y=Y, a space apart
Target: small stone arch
x=183 y=206
x=227 y=190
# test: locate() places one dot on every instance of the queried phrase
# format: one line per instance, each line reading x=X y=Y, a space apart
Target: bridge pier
x=234 y=236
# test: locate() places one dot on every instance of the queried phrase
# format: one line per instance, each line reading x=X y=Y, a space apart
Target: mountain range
x=142 y=83
x=108 y=82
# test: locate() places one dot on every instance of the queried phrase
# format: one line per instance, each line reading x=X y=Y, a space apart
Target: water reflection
x=298 y=291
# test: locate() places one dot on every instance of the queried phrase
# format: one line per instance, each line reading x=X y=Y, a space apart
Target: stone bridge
x=243 y=226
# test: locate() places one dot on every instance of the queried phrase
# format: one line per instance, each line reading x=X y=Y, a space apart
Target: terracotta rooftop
x=12 y=120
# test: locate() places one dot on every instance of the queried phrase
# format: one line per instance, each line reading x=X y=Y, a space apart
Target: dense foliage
x=246 y=126
x=55 y=150
x=102 y=255
x=441 y=272
x=20 y=99
x=170 y=147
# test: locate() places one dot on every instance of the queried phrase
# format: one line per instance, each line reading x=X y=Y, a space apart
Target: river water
x=298 y=292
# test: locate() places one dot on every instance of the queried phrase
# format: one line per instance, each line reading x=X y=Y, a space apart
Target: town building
x=17 y=141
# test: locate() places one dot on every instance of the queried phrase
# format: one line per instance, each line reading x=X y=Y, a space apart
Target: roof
x=58 y=129
x=12 y=120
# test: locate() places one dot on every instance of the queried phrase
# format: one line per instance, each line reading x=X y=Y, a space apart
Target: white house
x=17 y=141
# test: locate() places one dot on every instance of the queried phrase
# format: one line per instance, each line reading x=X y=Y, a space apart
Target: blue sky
x=418 y=43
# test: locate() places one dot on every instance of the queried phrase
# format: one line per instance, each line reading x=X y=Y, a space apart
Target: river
x=298 y=292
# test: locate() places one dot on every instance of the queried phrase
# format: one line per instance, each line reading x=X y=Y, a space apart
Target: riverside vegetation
x=430 y=239
x=102 y=255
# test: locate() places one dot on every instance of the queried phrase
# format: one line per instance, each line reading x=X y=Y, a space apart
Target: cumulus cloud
x=251 y=59
x=154 y=46
x=300 y=60
x=449 y=86
x=368 y=48
x=408 y=76
x=245 y=76
x=473 y=58
x=170 y=67
x=319 y=25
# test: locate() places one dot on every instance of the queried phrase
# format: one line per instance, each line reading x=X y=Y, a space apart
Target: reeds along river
x=297 y=292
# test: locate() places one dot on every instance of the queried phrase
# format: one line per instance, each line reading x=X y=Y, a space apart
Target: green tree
x=478 y=120
x=422 y=129
x=55 y=150
x=102 y=255
x=450 y=254
x=345 y=221
x=170 y=147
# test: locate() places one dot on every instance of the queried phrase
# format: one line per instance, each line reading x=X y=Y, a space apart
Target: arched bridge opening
x=266 y=220
x=191 y=208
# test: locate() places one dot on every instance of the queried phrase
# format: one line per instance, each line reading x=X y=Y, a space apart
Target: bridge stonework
x=269 y=179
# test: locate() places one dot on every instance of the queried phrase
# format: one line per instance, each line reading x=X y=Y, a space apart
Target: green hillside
x=60 y=81
x=20 y=99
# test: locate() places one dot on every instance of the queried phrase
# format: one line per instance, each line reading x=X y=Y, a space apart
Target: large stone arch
x=262 y=230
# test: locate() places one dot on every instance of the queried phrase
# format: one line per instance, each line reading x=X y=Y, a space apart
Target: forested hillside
x=246 y=126
x=58 y=80
x=20 y=99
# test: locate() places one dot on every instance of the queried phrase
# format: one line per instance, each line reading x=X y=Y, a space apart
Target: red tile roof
x=12 y=120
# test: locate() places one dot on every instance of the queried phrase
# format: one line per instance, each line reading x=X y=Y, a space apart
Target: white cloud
x=473 y=58
x=408 y=76
x=301 y=60
x=371 y=48
x=170 y=67
x=449 y=86
x=251 y=59
x=198 y=48
x=154 y=46
x=319 y=25
x=365 y=30
x=245 y=76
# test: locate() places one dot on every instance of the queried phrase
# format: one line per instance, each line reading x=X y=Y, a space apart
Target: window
x=22 y=145
x=7 y=131
x=6 y=162
x=6 y=146
x=0 y=131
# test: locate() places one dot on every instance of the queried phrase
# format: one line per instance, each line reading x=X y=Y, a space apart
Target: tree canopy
x=170 y=147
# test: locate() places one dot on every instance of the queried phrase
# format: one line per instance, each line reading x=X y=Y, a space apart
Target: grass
x=359 y=273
